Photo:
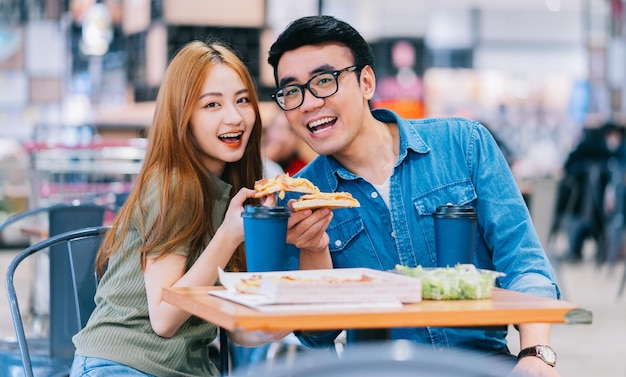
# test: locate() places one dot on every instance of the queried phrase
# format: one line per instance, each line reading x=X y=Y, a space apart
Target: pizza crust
x=323 y=203
x=283 y=183
x=330 y=200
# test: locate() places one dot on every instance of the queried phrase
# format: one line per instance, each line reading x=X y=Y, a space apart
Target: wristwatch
x=541 y=351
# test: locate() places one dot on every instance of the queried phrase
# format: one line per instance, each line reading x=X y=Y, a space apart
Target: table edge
x=239 y=317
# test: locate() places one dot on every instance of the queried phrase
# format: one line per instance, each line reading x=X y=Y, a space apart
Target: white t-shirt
x=383 y=190
x=271 y=168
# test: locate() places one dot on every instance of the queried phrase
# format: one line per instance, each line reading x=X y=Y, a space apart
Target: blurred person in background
x=581 y=196
x=400 y=170
x=181 y=221
x=402 y=92
x=280 y=144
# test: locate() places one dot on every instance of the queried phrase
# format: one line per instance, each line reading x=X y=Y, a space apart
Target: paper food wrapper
x=350 y=285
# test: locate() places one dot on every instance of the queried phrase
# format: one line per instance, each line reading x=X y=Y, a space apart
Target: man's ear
x=368 y=82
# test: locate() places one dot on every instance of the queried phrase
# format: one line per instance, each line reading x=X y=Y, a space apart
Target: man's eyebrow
x=289 y=79
x=286 y=80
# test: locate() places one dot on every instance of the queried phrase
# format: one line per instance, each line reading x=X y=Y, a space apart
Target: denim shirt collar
x=409 y=139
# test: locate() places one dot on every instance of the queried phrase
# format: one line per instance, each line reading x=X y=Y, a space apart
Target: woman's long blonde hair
x=174 y=159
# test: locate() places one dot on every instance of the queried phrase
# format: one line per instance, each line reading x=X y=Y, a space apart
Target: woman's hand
x=233 y=223
x=256 y=338
x=269 y=200
x=169 y=270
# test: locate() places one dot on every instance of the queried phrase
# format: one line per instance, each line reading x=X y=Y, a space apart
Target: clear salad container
x=462 y=282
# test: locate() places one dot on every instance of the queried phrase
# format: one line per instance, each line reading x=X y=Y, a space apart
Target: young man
x=400 y=170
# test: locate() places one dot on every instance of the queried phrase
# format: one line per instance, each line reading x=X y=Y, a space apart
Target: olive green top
x=119 y=328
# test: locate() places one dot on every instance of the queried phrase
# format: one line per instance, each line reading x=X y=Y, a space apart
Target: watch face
x=547 y=354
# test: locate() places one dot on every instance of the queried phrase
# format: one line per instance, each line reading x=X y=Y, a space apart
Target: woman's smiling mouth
x=232 y=139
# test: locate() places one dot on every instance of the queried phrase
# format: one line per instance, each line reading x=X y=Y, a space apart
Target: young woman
x=180 y=223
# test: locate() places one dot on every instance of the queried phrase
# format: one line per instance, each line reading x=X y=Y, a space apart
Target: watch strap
x=539 y=351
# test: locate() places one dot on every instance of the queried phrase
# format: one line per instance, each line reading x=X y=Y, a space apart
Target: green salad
x=462 y=282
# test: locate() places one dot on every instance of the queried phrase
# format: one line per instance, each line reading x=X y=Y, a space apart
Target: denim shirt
x=440 y=161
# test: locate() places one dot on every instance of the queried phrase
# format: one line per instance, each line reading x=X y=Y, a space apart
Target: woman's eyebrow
x=218 y=94
x=210 y=94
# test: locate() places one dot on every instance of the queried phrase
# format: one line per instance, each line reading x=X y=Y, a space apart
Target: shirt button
x=338 y=243
x=393 y=234
x=374 y=195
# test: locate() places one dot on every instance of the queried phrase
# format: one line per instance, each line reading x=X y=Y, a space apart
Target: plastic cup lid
x=450 y=210
x=260 y=211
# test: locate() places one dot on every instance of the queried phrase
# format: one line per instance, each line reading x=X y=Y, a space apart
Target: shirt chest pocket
x=351 y=245
x=343 y=230
x=457 y=193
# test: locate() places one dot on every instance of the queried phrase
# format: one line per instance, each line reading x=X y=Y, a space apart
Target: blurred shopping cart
x=101 y=172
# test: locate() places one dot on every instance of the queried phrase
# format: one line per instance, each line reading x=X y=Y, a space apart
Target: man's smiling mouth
x=321 y=125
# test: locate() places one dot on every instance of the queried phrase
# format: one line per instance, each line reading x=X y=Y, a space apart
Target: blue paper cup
x=265 y=237
x=455 y=234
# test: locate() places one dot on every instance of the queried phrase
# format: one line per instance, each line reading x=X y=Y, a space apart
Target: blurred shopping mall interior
x=78 y=78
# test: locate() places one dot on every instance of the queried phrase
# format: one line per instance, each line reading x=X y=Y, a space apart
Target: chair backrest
x=63 y=218
x=82 y=259
x=82 y=245
x=66 y=217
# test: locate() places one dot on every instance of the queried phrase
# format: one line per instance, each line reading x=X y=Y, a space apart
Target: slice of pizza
x=249 y=285
x=252 y=284
x=330 y=200
x=283 y=183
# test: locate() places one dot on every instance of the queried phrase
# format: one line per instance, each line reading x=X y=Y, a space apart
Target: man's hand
x=307 y=229
x=531 y=366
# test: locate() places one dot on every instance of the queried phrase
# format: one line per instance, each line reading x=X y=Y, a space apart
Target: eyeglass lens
x=321 y=86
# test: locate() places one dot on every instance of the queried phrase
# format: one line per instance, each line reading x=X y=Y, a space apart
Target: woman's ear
x=368 y=82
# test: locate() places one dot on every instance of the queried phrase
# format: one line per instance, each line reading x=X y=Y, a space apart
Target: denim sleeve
x=535 y=284
x=507 y=228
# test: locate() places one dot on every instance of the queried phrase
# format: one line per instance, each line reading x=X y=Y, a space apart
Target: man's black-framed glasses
x=322 y=85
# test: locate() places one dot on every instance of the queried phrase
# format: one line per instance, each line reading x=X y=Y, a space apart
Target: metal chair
x=72 y=287
x=64 y=216
x=59 y=218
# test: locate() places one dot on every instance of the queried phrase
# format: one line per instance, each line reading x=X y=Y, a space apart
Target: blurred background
x=78 y=79
x=83 y=73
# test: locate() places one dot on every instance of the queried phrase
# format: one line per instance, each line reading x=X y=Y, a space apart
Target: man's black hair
x=314 y=30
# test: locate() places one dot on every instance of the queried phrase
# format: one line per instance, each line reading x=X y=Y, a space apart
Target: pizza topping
x=312 y=197
x=252 y=284
x=283 y=183
x=328 y=196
